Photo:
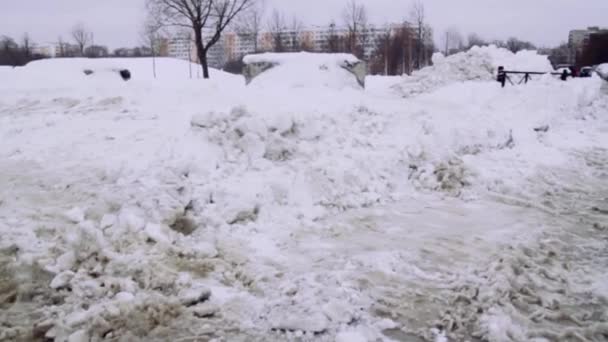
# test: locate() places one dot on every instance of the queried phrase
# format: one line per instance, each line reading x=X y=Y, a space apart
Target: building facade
x=577 y=39
x=233 y=46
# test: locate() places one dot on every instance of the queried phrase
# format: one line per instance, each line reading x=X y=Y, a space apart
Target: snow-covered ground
x=436 y=207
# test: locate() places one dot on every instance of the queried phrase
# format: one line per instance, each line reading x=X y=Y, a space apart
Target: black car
x=586 y=72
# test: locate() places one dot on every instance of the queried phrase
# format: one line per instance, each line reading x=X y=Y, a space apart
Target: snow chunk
x=314 y=322
x=190 y=297
x=205 y=310
x=156 y=233
x=124 y=296
x=107 y=220
x=66 y=261
x=75 y=215
x=350 y=336
x=62 y=279
x=79 y=336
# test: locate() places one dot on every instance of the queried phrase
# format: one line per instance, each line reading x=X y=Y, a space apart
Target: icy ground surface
x=190 y=210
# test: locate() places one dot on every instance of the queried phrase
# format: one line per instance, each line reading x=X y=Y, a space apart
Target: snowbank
x=602 y=70
x=231 y=212
x=304 y=70
x=477 y=64
x=70 y=71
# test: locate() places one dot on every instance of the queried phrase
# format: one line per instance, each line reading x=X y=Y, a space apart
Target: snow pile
x=304 y=70
x=477 y=64
x=59 y=72
x=602 y=70
x=167 y=210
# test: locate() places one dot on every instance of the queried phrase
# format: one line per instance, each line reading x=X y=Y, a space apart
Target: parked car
x=586 y=72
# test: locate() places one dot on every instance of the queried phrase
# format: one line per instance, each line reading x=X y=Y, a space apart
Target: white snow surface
x=178 y=209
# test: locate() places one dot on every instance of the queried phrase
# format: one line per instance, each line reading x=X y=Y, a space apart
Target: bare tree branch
x=250 y=26
x=418 y=17
x=212 y=16
x=82 y=37
x=276 y=28
x=355 y=19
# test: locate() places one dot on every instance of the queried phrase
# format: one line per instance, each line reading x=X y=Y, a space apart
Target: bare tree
x=334 y=40
x=150 y=36
x=418 y=17
x=276 y=29
x=515 y=45
x=198 y=15
x=393 y=52
x=250 y=24
x=453 y=41
x=560 y=55
x=96 y=51
x=473 y=39
x=65 y=49
x=428 y=45
x=295 y=30
x=26 y=46
x=355 y=19
x=82 y=37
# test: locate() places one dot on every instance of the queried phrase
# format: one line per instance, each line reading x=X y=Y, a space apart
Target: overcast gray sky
x=116 y=22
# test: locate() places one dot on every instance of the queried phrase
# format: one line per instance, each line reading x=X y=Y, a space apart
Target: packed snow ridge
x=178 y=209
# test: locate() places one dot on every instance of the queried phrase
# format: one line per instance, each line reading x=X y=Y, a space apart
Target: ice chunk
x=79 y=336
x=189 y=297
x=62 y=279
x=124 y=296
x=75 y=215
x=350 y=336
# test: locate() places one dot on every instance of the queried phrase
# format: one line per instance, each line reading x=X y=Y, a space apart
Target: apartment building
x=233 y=46
x=578 y=38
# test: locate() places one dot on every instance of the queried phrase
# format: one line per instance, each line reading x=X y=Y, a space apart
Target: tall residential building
x=182 y=47
x=233 y=46
x=46 y=50
x=578 y=38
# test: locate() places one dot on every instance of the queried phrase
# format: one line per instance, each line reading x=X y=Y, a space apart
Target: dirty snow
x=178 y=209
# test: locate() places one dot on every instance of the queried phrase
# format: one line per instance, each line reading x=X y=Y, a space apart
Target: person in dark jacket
x=501 y=77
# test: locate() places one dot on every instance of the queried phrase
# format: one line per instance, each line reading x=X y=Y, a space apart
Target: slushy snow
x=189 y=209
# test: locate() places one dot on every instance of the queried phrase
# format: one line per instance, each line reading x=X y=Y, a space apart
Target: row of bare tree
x=208 y=19
x=17 y=54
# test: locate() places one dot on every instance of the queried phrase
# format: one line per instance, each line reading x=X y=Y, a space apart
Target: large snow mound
x=477 y=64
x=304 y=70
x=62 y=71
